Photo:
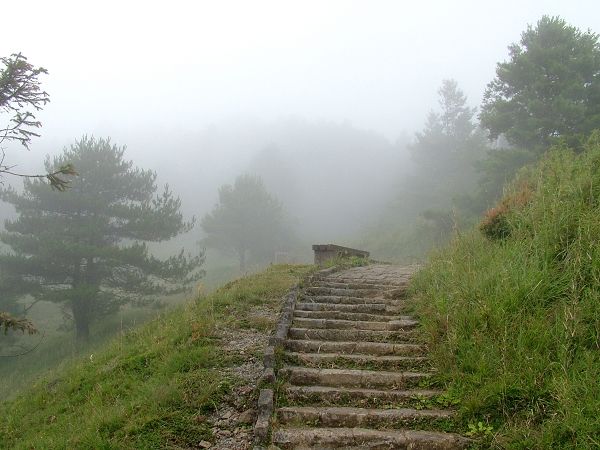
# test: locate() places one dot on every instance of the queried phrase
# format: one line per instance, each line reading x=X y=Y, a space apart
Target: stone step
x=357 y=361
x=343 y=292
x=354 y=335
x=341 y=315
x=350 y=347
x=373 y=308
x=355 y=378
x=366 y=281
x=355 y=286
x=345 y=300
x=390 y=325
x=365 y=439
x=341 y=416
x=356 y=397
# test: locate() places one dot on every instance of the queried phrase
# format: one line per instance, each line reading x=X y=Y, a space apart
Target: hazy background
x=199 y=90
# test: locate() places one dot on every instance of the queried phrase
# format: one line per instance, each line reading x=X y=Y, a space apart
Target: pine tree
x=86 y=248
x=549 y=89
x=247 y=221
x=444 y=154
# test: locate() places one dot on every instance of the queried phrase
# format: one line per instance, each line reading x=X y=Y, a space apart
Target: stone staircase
x=353 y=372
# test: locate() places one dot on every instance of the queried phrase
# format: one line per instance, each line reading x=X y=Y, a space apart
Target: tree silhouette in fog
x=86 y=248
x=247 y=221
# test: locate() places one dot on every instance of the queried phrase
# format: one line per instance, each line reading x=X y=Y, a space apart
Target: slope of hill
x=164 y=384
x=512 y=311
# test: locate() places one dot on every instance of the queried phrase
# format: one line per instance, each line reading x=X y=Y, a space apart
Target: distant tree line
x=547 y=93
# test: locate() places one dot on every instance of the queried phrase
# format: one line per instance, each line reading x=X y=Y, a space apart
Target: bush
x=496 y=222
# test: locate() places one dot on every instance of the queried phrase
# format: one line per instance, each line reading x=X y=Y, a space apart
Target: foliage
x=85 y=248
x=153 y=386
x=11 y=311
x=433 y=196
x=496 y=222
x=495 y=170
x=548 y=89
x=7 y=322
x=21 y=97
x=247 y=220
x=514 y=323
x=444 y=152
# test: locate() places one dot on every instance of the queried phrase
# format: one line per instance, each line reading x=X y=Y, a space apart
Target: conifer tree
x=86 y=248
x=247 y=221
x=549 y=89
x=444 y=154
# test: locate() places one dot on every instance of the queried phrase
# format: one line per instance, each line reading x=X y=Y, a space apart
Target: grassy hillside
x=512 y=311
x=55 y=345
x=155 y=386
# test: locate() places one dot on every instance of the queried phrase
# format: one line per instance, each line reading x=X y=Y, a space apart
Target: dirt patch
x=231 y=424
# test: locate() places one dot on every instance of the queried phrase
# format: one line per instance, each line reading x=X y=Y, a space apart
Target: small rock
x=226 y=415
x=205 y=444
x=247 y=416
x=246 y=390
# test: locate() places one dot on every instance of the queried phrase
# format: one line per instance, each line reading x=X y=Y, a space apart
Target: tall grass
x=513 y=320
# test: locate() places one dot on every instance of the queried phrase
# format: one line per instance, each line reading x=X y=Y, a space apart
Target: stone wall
x=326 y=252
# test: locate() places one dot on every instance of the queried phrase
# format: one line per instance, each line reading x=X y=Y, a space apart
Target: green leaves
x=85 y=246
x=58 y=183
x=548 y=89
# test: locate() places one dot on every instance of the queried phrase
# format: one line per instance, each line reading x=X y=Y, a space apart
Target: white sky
x=181 y=65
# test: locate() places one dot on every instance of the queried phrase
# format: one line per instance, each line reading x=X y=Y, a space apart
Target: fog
x=318 y=112
x=318 y=98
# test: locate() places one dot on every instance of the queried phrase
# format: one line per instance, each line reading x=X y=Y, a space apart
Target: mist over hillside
x=150 y=153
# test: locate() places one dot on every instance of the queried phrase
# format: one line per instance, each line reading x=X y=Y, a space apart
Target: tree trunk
x=82 y=330
x=242 y=253
x=81 y=315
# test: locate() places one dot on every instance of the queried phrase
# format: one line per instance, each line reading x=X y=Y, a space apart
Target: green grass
x=514 y=323
x=55 y=344
x=152 y=386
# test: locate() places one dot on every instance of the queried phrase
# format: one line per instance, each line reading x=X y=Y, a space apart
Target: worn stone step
x=354 y=335
x=357 y=397
x=356 y=286
x=343 y=292
x=390 y=325
x=351 y=347
x=305 y=376
x=367 y=281
x=366 y=439
x=373 y=308
x=341 y=315
x=341 y=416
x=357 y=361
x=346 y=300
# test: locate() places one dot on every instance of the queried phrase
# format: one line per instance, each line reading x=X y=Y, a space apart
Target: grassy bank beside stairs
x=512 y=311
x=155 y=386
